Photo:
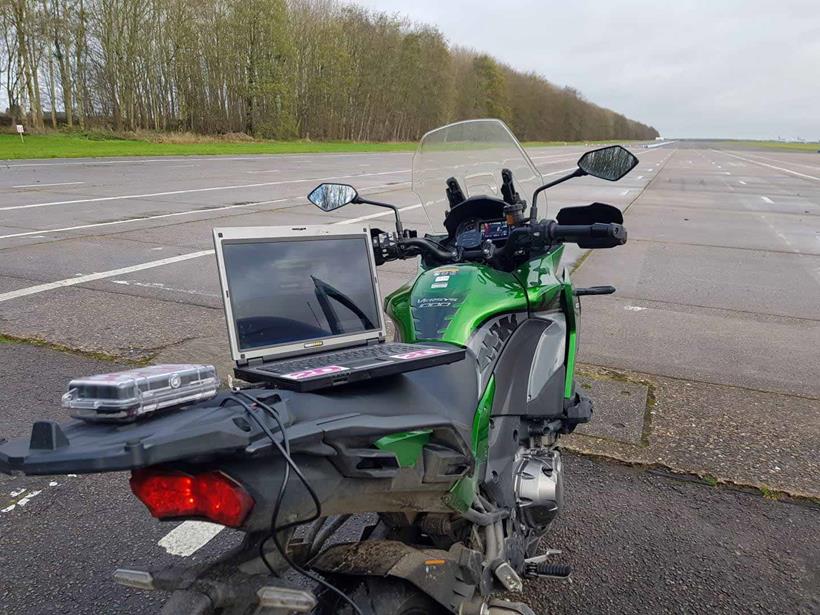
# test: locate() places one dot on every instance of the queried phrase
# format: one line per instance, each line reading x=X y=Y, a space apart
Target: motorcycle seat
x=450 y=391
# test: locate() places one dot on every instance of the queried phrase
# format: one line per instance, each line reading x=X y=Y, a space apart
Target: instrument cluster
x=473 y=232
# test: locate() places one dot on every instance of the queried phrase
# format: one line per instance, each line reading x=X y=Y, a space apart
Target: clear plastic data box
x=126 y=396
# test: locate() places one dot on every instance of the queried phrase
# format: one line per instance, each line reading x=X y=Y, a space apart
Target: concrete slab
x=126 y=326
x=729 y=347
x=751 y=230
x=757 y=438
x=712 y=277
x=620 y=408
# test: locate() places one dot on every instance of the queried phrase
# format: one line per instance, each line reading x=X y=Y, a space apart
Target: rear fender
x=449 y=577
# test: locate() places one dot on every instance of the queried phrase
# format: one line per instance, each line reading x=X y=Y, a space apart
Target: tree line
x=281 y=69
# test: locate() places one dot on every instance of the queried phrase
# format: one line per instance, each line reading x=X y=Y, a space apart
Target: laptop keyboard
x=354 y=354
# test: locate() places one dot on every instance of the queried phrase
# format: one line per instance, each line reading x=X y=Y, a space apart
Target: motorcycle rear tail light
x=211 y=495
x=125 y=396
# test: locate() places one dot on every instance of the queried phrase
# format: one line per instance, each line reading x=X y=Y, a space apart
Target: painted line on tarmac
x=771 y=166
x=40 y=288
x=189 y=537
x=164 y=159
x=792 y=162
x=189 y=212
x=91 y=277
x=767 y=200
x=42 y=233
x=46 y=185
x=101 y=275
x=193 y=190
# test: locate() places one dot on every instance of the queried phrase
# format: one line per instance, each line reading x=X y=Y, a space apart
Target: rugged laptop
x=303 y=308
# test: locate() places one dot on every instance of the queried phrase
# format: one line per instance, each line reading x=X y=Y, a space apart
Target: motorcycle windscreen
x=473 y=152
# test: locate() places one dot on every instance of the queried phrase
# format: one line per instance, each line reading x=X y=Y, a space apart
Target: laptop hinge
x=255 y=361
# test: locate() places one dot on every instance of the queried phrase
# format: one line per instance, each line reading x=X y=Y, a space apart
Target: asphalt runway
x=718 y=287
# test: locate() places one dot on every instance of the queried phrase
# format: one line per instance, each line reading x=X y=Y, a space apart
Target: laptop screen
x=296 y=290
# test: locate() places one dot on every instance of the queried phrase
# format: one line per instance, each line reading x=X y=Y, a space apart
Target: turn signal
x=211 y=495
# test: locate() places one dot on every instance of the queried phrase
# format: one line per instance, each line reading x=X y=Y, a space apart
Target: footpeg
x=508 y=577
x=276 y=600
x=543 y=569
x=136 y=579
x=503 y=607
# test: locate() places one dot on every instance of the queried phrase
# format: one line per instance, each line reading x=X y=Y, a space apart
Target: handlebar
x=425 y=245
x=523 y=238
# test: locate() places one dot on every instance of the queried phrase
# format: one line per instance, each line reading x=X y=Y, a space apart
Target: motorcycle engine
x=538 y=487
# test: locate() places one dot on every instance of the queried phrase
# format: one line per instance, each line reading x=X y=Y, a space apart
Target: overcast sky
x=691 y=68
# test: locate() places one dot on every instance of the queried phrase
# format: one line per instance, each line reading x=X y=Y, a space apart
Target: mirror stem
x=399 y=227
x=579 y=172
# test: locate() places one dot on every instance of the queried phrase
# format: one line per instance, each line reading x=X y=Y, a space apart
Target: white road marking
x=768 y=200
x=45 y=185
x=634 y=308
x=189 y=537
x=625 y=192
x=740 y=181
x=161 y=286
x=27 y=498
x=194 y=190
x=377 y=215
x=771 y=166
x=82 y=279
x=556 y=157
x=639 y=177
x=559 y=171
x=189 y=212
x=33 y=290
x=40 y=233
x=266 y=171
x=166 y=160
x=792 y=162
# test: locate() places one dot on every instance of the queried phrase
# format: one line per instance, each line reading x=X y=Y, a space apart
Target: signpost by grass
x=20 y=131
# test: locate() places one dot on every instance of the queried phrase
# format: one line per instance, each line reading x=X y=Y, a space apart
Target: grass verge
x=101 y=145
x=90 y=144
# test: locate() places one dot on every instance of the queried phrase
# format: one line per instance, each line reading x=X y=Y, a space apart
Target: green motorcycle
x=457 y=466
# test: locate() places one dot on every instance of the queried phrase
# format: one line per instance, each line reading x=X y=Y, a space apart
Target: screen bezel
x=232 y=235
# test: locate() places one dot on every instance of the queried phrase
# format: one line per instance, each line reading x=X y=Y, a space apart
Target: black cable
x=285 y=452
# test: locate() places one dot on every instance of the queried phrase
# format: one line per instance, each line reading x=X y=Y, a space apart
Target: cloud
x=695 y=68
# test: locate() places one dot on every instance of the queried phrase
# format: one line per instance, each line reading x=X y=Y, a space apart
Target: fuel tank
x=449 y=303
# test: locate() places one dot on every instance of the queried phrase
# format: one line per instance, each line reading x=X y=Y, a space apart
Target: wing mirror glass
x=328 y=197
x=610 y=163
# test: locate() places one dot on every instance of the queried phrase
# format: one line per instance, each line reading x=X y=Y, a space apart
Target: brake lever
x=594 y=290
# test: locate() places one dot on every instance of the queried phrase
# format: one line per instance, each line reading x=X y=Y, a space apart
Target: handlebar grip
x=600 y=234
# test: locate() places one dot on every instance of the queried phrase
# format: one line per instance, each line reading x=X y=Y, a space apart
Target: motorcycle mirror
x=610 y=163
x=328 y=197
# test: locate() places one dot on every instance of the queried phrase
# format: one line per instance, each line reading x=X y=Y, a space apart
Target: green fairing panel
x=406 y=445
x=542 y=284
x=571 y=309
x=461 y=495
x=448 y=303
